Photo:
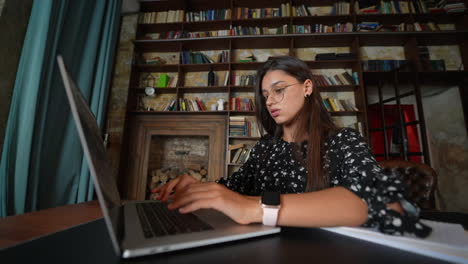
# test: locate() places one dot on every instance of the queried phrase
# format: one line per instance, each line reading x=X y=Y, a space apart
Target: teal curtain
x=42 y=162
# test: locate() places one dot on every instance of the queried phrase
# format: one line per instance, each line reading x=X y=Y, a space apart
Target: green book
x=163 y=80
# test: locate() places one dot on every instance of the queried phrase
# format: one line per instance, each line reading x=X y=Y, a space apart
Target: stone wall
x=14 y=17
x=447 y=140
x=2 y=3
x=448 y=144
x=119 y=91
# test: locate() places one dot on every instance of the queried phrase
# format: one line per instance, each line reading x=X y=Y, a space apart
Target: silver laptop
x=146 y=227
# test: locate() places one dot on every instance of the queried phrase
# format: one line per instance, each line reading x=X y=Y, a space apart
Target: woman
x=326 y=175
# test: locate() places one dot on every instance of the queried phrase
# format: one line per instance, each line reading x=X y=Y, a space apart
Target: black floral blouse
x=273 y=166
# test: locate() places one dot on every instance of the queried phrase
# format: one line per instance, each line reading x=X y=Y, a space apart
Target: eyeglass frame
x=282 y=92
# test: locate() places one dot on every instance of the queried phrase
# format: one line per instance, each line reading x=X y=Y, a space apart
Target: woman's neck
x=290 y=133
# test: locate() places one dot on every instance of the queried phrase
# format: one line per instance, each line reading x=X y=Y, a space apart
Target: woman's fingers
x=196 y=205
x=189 y=196
x=164 y=195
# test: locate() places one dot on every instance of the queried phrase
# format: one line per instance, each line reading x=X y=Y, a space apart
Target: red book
x=199 y=104
x=370 y=11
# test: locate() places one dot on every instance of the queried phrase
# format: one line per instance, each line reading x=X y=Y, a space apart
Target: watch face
x=271 y=198
x=150 y=91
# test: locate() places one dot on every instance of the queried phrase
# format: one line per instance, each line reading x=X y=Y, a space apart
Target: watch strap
x=270 y=215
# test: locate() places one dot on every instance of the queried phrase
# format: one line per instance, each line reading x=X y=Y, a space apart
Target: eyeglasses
x=277 y=94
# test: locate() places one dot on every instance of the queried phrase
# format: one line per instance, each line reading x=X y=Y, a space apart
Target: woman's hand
x=176 y=184
x=240 y=208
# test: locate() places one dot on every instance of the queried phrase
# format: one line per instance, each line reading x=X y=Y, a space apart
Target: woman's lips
x=274 y=113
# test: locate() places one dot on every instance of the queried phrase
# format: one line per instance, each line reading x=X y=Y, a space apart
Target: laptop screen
x=95 y=152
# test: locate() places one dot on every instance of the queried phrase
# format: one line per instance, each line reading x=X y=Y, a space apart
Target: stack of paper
x=447 y=241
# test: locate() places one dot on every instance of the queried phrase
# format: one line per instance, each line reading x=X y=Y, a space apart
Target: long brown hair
x=314 y=119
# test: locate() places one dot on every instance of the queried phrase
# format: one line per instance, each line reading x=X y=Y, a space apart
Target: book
x=236 y=146
x=173 y=81
x=325 y=56
x=200 y=105
x=236 y=156
x=226 y=78
x=320 y=10
x=163 y=80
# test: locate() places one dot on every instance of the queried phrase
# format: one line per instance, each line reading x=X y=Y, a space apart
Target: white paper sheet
x=447 y=241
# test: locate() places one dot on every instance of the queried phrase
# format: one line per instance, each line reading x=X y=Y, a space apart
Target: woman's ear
x=308 y=87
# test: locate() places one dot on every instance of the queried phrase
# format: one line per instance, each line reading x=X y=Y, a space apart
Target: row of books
x=190 y=57
x=183 y=104
x=426 y=62
x=382 y=65
x=223 y=56
x=178 y=34
x=285 y=10
x=208 y=15
x=322 y=28
x=338 y=79
x=205 y=34
x=450 y=6
x=171 y=16
x=339 y=8
x=359 y=126
x=245 y=12
x=240 y=126
x=337 y=105
x=404 y=27
x=418 y=6
x=303 y=29
x=408 y=6
x=243 y=79
x=241 y=153
x=241 y=104
x=443 y=6
x=242 y=30
x=335 y=56
x=382 y=7
x=429 y=26
x=367 y=26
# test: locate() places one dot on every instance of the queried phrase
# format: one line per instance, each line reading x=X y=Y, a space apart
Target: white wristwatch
x=270 y=205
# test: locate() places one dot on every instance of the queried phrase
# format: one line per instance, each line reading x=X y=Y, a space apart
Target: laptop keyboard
x=157 y=220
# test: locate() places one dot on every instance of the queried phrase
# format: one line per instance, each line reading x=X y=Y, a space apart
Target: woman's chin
x=279 y=121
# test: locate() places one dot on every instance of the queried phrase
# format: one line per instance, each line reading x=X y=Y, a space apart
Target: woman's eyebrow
x=275 y=83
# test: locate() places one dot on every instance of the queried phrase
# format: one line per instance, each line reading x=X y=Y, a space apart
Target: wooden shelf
x=246 y=65
x=331 y=64
x=344 y=113
x=204 y=89
x=338 y=88
x=291 y=42
x=246 y=88
x=204 y=67
x=235 y=164
x=143 y=112
x=429 y=77
x=321 y=39
x=157 y=67
x=422 y=37
x=305 y=20
x=244 y=137
x=242 y=112
x=159 y=90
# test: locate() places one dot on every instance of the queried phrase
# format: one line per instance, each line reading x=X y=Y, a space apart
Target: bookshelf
x=280 y=22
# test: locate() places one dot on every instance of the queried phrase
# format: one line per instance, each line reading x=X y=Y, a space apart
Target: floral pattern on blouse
x=273 y=166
